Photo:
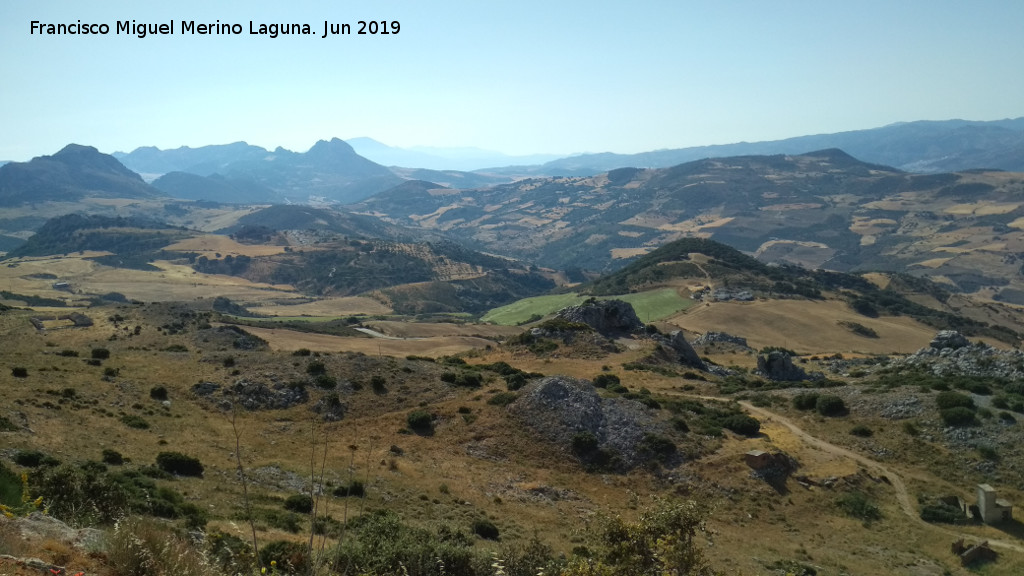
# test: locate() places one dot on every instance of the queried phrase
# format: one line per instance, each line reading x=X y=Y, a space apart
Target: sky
x=519 y=77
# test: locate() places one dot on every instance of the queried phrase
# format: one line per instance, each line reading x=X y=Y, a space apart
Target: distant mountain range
x=924 y=146
x=462 y=159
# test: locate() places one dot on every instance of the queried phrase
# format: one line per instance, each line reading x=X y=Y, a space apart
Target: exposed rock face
x=330 y=408
x=257 y=396
x=687 y=355
x=559 y=407
x=949 y=339
x=777 y=365
x=609 y=317
x=719 y=338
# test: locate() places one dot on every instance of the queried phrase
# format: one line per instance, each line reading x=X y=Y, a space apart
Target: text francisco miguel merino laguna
x=191 y=27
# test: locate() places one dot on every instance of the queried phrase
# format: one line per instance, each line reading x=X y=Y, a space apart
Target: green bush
x=857 y=505
x=584 y=443
x=315 y=368
x=325 y=381
x=502 y=398
x=112 y=457
x=469 y=380
x=100 y=353
x=943 y=513
x=290 y=557
x=378 y=383
x=806 y=401
x=158 y=393
x=179 y=464
x=420 y=421
x=301 y=503
x=34 y=459
x=958 y=416
x=485 y=529
x=862 y=431
x=19 y=372
x=135 y=421
x=829 y=405
x=742 y=424
x=657 y=447
x=606 y=380
x=946 y=400
x=355 y=488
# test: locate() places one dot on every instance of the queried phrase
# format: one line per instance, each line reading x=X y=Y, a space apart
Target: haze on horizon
x=522 y=78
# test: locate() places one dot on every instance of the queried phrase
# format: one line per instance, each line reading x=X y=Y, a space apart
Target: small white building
x=993 y=510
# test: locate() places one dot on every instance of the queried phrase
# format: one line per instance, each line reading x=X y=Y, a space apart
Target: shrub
x=502 y=398
x=19 y=372
x=301 y=503
x=829 y=405
x=606 y=380
x=857 y=505
x=158 y=393
x=742 y=424
x=946 y=400
x=942 y=512
x=420 y=421
x=989 y=453
x=355 y=488
x=862 y=431
x=228 y=362
x=485 y=529
x=515 y=381
x=325 y=381
x=291 y=557
x=469 y=380
x=805 y=401
x=179 y=464
x=69 y=353
x=100 y=353
x=302 y=352
x=958 y=416
x=112 y=457
x=657 y=447
x=448 y=377
x=135 y=421
x=584 y=443
x=34 y=459
x=377 y=382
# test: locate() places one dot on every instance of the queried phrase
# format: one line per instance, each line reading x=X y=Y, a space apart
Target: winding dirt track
x=894 y=479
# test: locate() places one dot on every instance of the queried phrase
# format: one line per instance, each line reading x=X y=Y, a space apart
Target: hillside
x=73 y=173
x=469 y=460
x=822 y=209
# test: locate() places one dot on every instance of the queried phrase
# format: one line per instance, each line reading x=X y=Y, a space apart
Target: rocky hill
x=73 y=173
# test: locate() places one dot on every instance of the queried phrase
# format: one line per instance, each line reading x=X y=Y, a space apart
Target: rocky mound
x=950 y=353
x=608 y=317
x=777 y=365
x=256 y=395
x=709 y=338
x=559 y=408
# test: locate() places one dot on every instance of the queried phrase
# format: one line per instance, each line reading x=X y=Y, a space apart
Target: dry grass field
x=810 y=327
x=479 y=461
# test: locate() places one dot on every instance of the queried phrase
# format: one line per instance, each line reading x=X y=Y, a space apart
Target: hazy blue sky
x=524 y=76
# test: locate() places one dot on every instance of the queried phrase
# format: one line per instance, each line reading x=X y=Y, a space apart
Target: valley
x=797 y=362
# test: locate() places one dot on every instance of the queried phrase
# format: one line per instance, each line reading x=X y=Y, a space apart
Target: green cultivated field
x=650 y=306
